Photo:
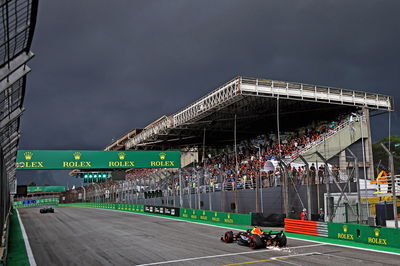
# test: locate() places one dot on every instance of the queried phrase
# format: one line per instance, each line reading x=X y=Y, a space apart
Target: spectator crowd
x=256 y=158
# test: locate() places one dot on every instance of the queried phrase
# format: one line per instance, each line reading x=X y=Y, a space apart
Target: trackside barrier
x=188 y=214
x=34 y=203
x=216 y=217
x=306 y=227
x=380 y=236
x=111 y=206
x=169 y=211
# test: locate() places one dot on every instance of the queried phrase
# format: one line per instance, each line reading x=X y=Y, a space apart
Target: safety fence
x=187 y=214
x=36 y=202
x=306 y=227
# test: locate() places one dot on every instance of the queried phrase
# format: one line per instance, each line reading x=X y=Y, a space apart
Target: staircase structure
x=335 y=142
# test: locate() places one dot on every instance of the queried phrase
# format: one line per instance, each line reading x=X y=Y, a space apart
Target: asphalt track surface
x=84 y=236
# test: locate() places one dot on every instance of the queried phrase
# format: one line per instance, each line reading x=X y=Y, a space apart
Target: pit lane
x=84 y=236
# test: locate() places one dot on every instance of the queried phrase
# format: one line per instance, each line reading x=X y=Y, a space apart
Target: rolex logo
x=345 y=228
x=77 y=155
x=163 y=155
x=376 y=232
x=121 y=155
x=28 y=155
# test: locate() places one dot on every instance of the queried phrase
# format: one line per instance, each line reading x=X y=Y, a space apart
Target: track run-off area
x=85 y=236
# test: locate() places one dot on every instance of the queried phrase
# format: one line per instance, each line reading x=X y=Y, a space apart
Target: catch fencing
x=187 y=214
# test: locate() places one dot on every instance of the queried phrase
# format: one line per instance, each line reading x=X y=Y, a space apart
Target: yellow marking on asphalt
x=256 y=261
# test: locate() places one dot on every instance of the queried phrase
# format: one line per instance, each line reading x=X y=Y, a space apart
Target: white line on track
x=228 y=254
x=32 y=261
x=226 y=227
x=295 y=255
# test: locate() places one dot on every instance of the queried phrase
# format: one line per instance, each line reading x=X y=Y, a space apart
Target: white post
x=363 y=154
x=261 y=183
x=84 y=193
x=180 y=189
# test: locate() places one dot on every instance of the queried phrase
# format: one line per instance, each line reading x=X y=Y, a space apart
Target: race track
x=84 y=236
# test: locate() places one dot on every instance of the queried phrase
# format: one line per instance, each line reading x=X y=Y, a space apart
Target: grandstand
x=18 y=19
x=291 y=141
x=246 y=108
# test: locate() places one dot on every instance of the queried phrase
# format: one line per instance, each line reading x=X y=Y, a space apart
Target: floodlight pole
x=260 y=180
x=396 y=223
x=285 y=187
x=278 y=126
x=358 y=184
x=235 y=137
x=99 y=192
x=84 y=193
x=308 y=186
x=204 y=145
x=328 y=192
x=363 y=155
x=180 y=188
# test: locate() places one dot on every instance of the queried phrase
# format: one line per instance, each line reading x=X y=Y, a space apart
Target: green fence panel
x=380 y=236
x=140 y=208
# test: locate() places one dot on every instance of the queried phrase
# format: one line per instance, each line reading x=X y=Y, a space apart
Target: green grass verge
x=16 y=254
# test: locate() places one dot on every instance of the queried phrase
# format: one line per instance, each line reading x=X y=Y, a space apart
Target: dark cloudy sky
x=104 y=67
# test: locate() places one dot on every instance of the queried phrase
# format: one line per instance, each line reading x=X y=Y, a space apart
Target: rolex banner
x=379 y=236
x=46 y=159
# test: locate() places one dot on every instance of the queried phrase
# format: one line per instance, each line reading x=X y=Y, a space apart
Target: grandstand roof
x=119 y=144
x=16 y=32
x=252 y=103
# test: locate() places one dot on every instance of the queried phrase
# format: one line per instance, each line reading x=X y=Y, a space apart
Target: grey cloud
x=102 y=68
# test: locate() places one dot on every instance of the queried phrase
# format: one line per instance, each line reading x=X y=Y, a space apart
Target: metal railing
x=322 y=138
x=308 y=92
x=384 y=185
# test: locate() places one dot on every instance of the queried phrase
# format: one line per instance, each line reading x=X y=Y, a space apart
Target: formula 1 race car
x=256 y=238
x=46 y=210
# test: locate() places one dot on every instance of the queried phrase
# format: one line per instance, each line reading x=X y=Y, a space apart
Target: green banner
x=36 y=202
x=45 y=159
x=380 y=236
x=46 y=189
x=216 y=217
x=112 y=206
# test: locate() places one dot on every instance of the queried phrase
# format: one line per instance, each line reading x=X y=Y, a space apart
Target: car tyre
x=256 y=242
x=228 y=237
x=283 y=241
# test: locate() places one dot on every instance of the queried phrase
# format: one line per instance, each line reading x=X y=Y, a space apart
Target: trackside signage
x=32 y=189
x=381 y=236
x=46 y=159
x=216 y=217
